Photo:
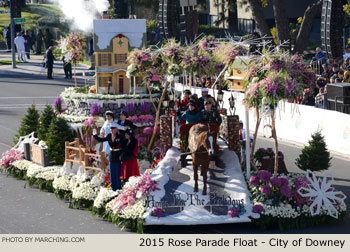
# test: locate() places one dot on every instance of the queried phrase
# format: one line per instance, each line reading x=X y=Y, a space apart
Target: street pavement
x=29 y=210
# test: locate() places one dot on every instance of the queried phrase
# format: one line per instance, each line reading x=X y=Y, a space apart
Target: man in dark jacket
x=48 y=39
x=115 y=140
x=209 y=115
x=49 y=62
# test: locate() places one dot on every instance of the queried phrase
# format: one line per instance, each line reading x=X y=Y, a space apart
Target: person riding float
x=210 y=115
x=191 y=114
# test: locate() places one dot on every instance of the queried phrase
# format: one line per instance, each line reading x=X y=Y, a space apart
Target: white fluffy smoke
x=81 y=13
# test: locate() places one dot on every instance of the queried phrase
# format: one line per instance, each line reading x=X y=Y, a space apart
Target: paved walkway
x=34 y=66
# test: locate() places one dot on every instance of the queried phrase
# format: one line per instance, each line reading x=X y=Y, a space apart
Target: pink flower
x=265 y=189
x=254 y=180
x=148 y=130
x=233 y=212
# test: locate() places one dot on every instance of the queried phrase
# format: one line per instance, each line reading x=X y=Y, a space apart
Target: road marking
x=5 y=145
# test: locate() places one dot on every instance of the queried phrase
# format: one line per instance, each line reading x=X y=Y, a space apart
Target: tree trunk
x=258 y=121
x=274 y=135
x=312 y=11
x=75 y=76
x=281 y=19
x=259 y=18
x=156 y=123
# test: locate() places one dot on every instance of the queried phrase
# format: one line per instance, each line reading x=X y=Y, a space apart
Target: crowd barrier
x=294 y=122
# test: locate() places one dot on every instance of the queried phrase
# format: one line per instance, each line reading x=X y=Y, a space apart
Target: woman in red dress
x=130 y=148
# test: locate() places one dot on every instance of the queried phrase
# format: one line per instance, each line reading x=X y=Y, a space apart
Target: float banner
x=175 y=242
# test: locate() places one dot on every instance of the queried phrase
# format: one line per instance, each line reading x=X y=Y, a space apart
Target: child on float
x=130 y=149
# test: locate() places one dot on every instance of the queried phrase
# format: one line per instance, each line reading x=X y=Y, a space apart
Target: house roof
x=106 y=29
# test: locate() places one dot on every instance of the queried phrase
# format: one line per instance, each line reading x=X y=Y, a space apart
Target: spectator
x=8 y=38
x=20 y=44
x=32 y=40
x=39 y=42
x=346 y=65
x=67 y=67
x=319 y=56
x=27 y=44
x=4 y=32
x=346 y=76
x=341 y=75
x=48 y=39
x=308 y=99
x=49 y=62
x=335 y=70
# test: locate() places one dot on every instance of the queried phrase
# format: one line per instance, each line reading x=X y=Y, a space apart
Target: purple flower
x=264 y=175
x=157 y=212
x=95 y=109
x=130 y=108
x=284 y=181
x=145 y=108
x=258 y=208
x=286 y=191
x=265 y=189
x=254 y=180
x=233 y=212
x=275 y=182
x=58 y=105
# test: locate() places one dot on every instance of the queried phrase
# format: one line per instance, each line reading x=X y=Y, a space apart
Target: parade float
x=165 y=194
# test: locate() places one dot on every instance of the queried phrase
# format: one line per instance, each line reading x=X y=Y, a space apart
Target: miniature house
x=113 y=39
x=239 y=71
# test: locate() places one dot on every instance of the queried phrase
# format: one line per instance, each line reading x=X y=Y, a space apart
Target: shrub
x=315 y=156
x=59 y=133
x=29 y=123
x=45 y=120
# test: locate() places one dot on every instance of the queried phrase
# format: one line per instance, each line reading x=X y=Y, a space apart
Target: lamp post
x=166 y=105
x=232 y=105
x=109 y=85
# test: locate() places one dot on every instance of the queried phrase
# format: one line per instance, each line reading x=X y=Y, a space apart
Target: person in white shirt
x=106 y=129
x=19 y=42
x=4 y=32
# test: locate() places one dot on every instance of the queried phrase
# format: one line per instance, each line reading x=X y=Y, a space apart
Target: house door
x=121 y=84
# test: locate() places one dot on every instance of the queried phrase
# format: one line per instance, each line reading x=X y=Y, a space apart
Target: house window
x=105 y=59
x=138 y=81
x=120 y=58
x=103 y=81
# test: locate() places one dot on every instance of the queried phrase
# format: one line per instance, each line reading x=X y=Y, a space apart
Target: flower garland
x=10 y=157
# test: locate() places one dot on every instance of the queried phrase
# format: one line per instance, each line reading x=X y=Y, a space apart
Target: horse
x=201 y=142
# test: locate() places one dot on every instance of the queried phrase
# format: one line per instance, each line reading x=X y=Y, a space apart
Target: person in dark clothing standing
x=130 y=166
x=49 y=62
x=27 y=44
x=115 y=140
x=67 y=67
x=127 y=124
x=8 y=38
x=48 y=39
x=209 y=115
x=39 y=42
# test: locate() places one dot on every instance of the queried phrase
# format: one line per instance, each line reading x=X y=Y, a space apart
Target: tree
x=59 y=132
x=281 y=19
x=29 y=123
x=312 y=11
x=45 y=120
x=258 y=16
x=315 y=156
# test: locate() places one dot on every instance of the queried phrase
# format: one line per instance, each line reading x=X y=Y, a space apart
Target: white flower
x=255 y=79
x=322 y=193
x=84 y=191
x=22 y=164
x=226 y=75
x=170 y=78
x=42 y=144
x=62 y=183
x=134 y=211
x=104 y=195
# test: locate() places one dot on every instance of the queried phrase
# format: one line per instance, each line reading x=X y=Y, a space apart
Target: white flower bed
x=135 y=211
x=63 y=183
x=84 y=191
x=104 y=195
x=47 y=175
x=22 y=164
x=73 y=119
x=70 y=94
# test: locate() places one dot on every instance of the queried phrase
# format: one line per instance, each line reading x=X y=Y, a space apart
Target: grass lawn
x=36 y=15
x=6 y=62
